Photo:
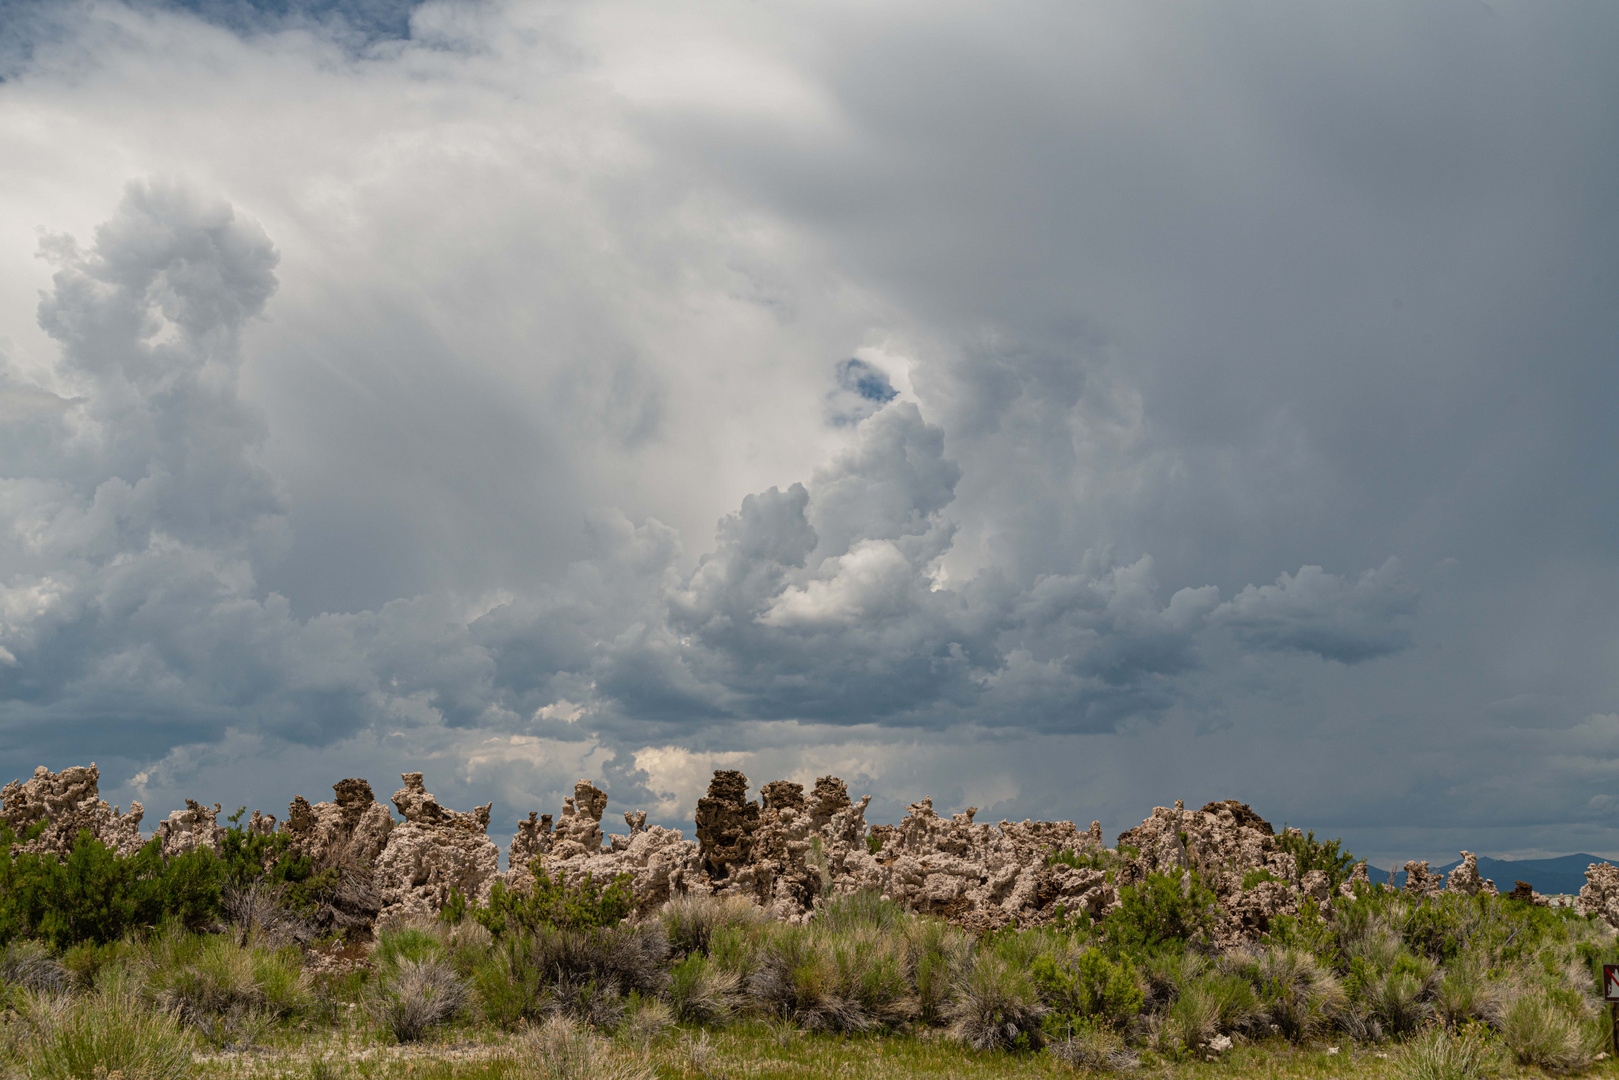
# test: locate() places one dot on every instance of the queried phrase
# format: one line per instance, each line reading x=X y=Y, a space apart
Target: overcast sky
x=1057 y=408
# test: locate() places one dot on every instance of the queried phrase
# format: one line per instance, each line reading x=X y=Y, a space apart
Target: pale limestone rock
x=69 y=801
x=347 y=834
x=1420 y=881
x=1465 y=878
x=1358 y=884
x=186 y=830
x=432 y=854
x=578 y=830
x=532 y=839
x=1599 y=896
x=1317 y=886
x=661 y=863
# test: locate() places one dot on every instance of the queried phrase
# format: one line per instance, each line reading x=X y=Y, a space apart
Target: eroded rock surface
x=1465 y=878
x=347 y=834
x=433 y=853
x=1599 y=896
x=68 y=801
x=195 y=827
x=726 y=821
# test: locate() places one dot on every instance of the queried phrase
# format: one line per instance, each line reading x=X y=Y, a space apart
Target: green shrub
x=850 y=980
x=507 y=988
x=1254 y=877
x=94 y=895
x=561 y=1050
x=1213 y=1003
x=1096 y=1049
x=1312 y=854
x=862 y=909
x=1087 y=987
x=1164 y=909
x=29 y=965
x=935 y=950
x=410 y=996
x=702 y=992
x=418 y=941
x=691 y=921
x=99 y=1035
x=556 y=904
x=1296 y=991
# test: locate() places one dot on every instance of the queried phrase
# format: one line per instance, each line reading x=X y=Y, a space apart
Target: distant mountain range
x=1564 y=874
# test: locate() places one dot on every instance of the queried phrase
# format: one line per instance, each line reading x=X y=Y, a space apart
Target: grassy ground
x=761 y=1051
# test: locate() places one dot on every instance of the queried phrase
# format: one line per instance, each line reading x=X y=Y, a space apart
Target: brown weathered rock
x=1599 y=896
x=190 y=829
x=348 y=835
x=1420 y=882
x=1358 y=884
x=433 y=853
x=726 y=821
x=579 y=828
x=980 y=875
x=1465 y=878
x=532 y=839
x=69 y=801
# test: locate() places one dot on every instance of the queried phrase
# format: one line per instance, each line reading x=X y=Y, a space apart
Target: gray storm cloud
x=134 y=592
x=1098 y=405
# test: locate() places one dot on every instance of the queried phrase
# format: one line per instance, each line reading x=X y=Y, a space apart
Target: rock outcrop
x=68 y=802
x=788 y=852
x=726 y=821
x=186 y=830
x=433 y=853
x=1599 y=896
x=1465 y=878
x=978 y=874
x=1421 y=882
x=347 y=834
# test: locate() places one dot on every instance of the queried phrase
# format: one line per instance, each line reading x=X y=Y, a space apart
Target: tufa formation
x=786 y=852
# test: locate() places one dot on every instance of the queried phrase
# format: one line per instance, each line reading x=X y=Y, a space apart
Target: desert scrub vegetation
x=568 y=978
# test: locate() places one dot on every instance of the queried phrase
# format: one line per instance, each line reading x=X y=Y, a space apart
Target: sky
x=1055 y=408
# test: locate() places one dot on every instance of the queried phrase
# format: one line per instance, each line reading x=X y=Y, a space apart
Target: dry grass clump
x=995 y=1005
x=702 y=992
x=1438 y=1054
x=1099 y=1049
x=691 y=921
x=560 y=1049
x=853 y=978
x=29 y=965
x=1537 y=1032
x=410 y=996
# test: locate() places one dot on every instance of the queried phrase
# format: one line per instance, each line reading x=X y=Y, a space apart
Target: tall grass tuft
x=691 y=921
x=29 y=965
x=702 y=992
x=559 y=1049
x=995 y=1005
x=1438 y=1054
x=410 y=996
x=99 y=1035
x=1537 y=1032
x=1096 y=1048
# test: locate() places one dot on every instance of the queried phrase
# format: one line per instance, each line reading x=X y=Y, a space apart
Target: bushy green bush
x=1538 y=1032
x=1310 y=854
x=555 y=903
x=94 y=895
x=1438 y=1054
x=1164 y=909
x=995 y=1005
x=1086 y=988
